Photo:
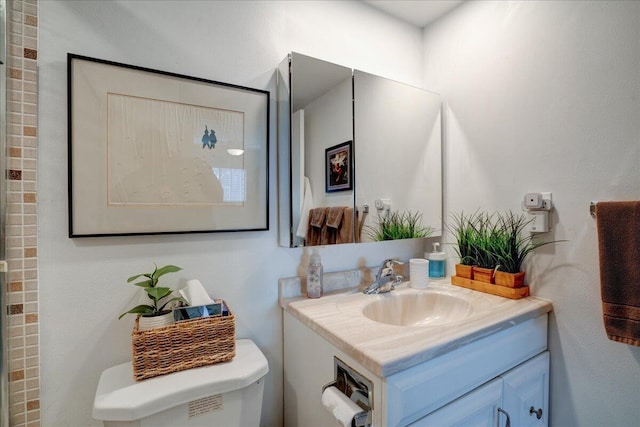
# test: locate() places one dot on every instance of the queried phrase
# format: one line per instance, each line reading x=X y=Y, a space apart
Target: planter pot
x=483 y=274
x=511 y=280
x=146 y=323
x=465 y=271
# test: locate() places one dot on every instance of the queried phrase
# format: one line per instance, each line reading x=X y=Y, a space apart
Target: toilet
x=225 y=394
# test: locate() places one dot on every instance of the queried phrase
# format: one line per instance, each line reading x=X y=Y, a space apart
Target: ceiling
x=417 y=12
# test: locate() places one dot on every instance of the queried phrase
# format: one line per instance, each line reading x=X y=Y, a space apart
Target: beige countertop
x=386 y=349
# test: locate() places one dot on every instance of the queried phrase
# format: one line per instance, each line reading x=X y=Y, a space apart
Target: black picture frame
x=102 y=194
x=339 y=167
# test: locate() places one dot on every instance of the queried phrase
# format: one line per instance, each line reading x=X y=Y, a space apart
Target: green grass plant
x=514 y=244
x=398 y=225
x=463 y=227
x=497 y=241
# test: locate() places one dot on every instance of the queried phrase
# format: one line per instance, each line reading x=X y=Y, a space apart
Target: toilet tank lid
x=120 y=398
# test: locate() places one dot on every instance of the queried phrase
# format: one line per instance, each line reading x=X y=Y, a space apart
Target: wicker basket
x=183 y=345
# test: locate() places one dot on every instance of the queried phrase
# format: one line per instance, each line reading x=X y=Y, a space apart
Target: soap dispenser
x=437 y=262
x=314 y=276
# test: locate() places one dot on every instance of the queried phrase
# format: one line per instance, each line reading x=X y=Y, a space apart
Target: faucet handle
x=387 y=271
x=388 y=263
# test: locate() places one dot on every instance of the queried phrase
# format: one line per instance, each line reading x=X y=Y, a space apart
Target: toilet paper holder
x=356 y=387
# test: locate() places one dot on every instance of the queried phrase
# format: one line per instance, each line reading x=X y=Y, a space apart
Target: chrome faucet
x=386 y=279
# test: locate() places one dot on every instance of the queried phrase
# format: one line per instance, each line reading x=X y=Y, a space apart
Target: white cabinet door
x=522 y=394
x=478 y=408
x=526 y=392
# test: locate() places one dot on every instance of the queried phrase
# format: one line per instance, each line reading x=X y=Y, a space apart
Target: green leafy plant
x=155 y=293
x=397 y=225
x=487 y=232
x=512 y=245
x=494 y=240
x=464 y=229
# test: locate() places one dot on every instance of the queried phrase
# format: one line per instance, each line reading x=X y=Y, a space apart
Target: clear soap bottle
x=314 y=276
x=437 y=262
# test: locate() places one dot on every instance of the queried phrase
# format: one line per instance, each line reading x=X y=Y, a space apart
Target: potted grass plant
x=158 y=312
x=487 y=232
x=398 y=225
x=464 y=229
x=511 y=248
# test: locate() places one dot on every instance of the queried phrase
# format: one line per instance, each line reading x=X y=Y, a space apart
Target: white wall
x=82 y=281
x=328 y=122
x=545 y=96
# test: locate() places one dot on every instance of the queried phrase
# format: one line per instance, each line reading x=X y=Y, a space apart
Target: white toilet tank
x=226 y=394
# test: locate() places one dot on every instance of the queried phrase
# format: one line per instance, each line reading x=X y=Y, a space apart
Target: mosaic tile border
x=21 y=233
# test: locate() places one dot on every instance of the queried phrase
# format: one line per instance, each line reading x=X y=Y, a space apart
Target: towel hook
x=592 y=209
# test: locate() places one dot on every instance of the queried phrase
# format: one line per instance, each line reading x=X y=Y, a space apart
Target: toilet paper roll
x=340 y=406
x=195 y=294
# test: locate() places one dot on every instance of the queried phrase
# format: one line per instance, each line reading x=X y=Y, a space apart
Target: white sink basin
x=419 y=309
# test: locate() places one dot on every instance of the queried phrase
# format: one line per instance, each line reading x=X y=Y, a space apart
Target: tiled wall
x=22 y=227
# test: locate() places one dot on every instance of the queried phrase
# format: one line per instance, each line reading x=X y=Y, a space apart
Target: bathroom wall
x=545 y=96
x=327 y=121
x=82 y=285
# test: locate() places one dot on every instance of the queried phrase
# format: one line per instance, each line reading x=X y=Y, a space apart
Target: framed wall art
x=338 y=167
x=153 y=152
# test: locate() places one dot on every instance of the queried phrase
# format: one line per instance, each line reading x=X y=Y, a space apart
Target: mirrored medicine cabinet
x=357 y=144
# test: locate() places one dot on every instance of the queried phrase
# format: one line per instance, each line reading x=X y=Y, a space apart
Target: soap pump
x=314 y=276
x=437 y=262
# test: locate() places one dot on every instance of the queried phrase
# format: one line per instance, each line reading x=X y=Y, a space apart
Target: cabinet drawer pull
x=508 y=424
x=538 y=413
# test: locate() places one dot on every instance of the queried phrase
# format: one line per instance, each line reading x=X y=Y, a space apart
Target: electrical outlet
x=547 y=203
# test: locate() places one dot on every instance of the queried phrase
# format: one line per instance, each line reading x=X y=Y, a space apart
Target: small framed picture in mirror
x=338 y=167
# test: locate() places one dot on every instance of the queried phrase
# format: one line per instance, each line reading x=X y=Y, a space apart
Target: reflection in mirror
x=393 y=131
x=320 y=122
x=398 y=150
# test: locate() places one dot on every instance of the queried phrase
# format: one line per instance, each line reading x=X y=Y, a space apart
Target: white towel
x=307 y=205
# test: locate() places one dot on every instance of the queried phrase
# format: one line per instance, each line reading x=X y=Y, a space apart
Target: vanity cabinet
x=465 y=384
x=519 y=398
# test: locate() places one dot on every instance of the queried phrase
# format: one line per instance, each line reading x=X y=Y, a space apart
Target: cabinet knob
x=508 y=424
x=538 y=412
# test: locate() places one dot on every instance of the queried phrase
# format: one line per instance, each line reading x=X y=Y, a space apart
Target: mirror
x=357 y=141
x=398 y=150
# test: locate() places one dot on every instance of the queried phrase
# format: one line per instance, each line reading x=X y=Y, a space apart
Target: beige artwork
x=162 y=153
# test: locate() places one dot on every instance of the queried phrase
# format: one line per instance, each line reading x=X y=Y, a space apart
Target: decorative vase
x=145 y=323
x=483 y=274
x=465 y=271
x=511 y=280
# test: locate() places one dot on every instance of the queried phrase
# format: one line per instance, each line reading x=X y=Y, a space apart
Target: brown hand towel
x=334 y=216
x=619 y=244
x=317 y=218
x=345 y=232
x=329 y=234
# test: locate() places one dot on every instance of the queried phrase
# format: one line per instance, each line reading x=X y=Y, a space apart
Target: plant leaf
x=158 y=293
x=132 y=278
x=164 y=270
x=139 y=309
x=144 y=284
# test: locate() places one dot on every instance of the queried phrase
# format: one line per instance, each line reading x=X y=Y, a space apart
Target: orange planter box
x=511 y=280
x=488 y=288
x=483 y=274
